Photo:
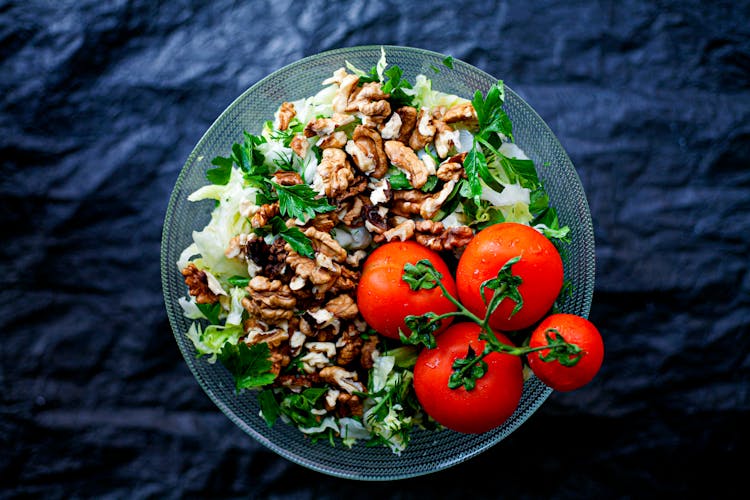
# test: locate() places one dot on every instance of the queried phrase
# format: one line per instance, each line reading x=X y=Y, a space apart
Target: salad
x=324 y=276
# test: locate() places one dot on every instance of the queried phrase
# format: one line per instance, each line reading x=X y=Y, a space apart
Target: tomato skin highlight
x=495 y=396
x=575 y=330
x=384 y=299
x=540 y=268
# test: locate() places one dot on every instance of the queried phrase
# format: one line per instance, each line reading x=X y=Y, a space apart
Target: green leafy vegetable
x=211 y=312
x=250 y=366
x=269 y=407
x=220 y=175
x=239 y=281
x=296 y=238
x=398 y=181
x=301 y=201
x=448 y=62
x=395 y=86
x=298 y=407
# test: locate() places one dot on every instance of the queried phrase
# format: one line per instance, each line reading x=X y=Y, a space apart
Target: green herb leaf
x=490 y=112
x=421 y=276
x=448 y=62
x=223 y=171
x=269 y=406
x=298 y=407
x=250 y=366
x=474 y=163
x=505 y=285
x=296 y=238
x=211 y=312
x=399 y=181
x=430 y=185
x=239 y=281
x=301 y=201
x=467 y=370
x=395 y=86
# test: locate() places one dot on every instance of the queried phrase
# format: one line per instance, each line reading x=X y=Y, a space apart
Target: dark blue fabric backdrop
x=101 y=103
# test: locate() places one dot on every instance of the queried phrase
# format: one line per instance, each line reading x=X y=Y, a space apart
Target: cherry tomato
x=575 y=330
x=384 y=299
x=495 y=396
x=540 y=268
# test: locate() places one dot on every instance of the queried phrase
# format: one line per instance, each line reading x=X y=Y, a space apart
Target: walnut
x=369 y=352
x=402 y=231
x=297 y=382
x=445 y=138
x=337 y=77
x=392 y=128
x=349 y=346
x=464 y=112
x=408 y=202
x=335 y=140
x=351 y=212
x=432 y=203
x=408 y=117
x=346 y=84
x=358 y=185
x=320 y=126
x=346 y=281
x=407 y=160
x=286 y=113
x=300 y=145
x=279 y=358
x=353 y=259
x=349 y=405
x=197 y=283
x=335 y=172
x=450 y=171
x=342 y=307
x=324 y=222
x=371 y=158
x=307 y=269
x=265 y=214
x=285 y=178
x=423 y=132
x=325 y=244
x=270 y=300
x=341 y=378
x=237 y=247
x=435 y=236
x=368 y=93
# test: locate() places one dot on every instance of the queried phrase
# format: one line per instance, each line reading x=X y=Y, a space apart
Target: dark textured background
x=101 y=103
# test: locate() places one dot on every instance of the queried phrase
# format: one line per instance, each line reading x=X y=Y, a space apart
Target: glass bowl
x=428 y=451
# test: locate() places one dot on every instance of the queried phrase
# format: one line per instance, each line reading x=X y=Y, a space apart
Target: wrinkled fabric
x=101 y=103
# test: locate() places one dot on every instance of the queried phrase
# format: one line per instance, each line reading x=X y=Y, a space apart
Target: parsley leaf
x=398 y=180
x=395 y=86
x=448 y=62
x=298 y=407
x=245 y=155
x=211 y=312
x=300 y=201
x=269 y=406
x=250 y=366
x=239 y=281
x=296 y=238
x=490 y=113
x=220 y=175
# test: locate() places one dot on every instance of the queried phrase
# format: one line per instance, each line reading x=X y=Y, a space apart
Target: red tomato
x=540 y=268
x=384 y=299
x=575 y=330
x=495 y=396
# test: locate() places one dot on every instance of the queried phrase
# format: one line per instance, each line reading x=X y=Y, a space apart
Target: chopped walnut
x=346 y=84
x=300 y=145
x=335 y=140
x=371 y=143
x=325 y=222
x=287 y=178
x=325 y=244
x=435 y=236
x=375 y=220
x=407 y=160
x=297 y=382
x=432 y=203
x=423 y=132
x=403 y=231
x=335 y=172
x=349 y=405
x=307 y=269
x=464 y=112
x=445 y=138
x=366 y=94
x=197 y=283
x=265 y=214
x=270 y=300
x=346 y=281
x=286 y=113
x=408 y=117
x=369 y=352
x=392 y=128
x=341 y=378
x=408 y=202
x=351 y=212
x=450 y=171
x=358 y=185
x=353 y=259
x=349 y=346
x=342 y=307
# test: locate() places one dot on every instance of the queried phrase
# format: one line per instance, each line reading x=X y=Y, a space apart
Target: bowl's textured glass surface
x=427 y=451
